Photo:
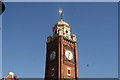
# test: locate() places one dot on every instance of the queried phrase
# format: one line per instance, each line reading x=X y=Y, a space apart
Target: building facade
x=10 y=77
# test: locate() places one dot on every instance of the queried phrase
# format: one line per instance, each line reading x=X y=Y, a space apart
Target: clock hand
x=69 y=55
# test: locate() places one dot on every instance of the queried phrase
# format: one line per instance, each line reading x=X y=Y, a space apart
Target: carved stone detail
x=74 y=37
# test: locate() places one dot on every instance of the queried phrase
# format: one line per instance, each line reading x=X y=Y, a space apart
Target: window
x=52 y=72
x=68 y=72
x=55 y=32
x=66 y=31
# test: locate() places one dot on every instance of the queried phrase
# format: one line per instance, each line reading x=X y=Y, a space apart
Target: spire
x=61 y=15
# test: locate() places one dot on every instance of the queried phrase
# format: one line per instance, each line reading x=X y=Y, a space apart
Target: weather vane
x=61 y=15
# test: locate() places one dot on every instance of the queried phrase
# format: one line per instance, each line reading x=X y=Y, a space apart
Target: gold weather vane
x=61 y=15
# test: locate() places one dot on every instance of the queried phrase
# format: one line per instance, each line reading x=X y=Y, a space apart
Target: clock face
x=52 y=55
x=69 y=55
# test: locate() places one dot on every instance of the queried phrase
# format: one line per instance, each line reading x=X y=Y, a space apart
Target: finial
x=61 y=14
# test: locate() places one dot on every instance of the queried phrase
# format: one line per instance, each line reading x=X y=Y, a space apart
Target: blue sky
x=26 y=27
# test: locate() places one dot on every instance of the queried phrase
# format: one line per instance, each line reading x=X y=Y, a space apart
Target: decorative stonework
x=74 y=37
x=62 y=29
x=49 y=39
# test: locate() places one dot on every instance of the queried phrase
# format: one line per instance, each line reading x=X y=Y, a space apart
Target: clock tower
x=61 y=53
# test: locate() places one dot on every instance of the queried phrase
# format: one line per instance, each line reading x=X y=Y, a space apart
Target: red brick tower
x=61 y=53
